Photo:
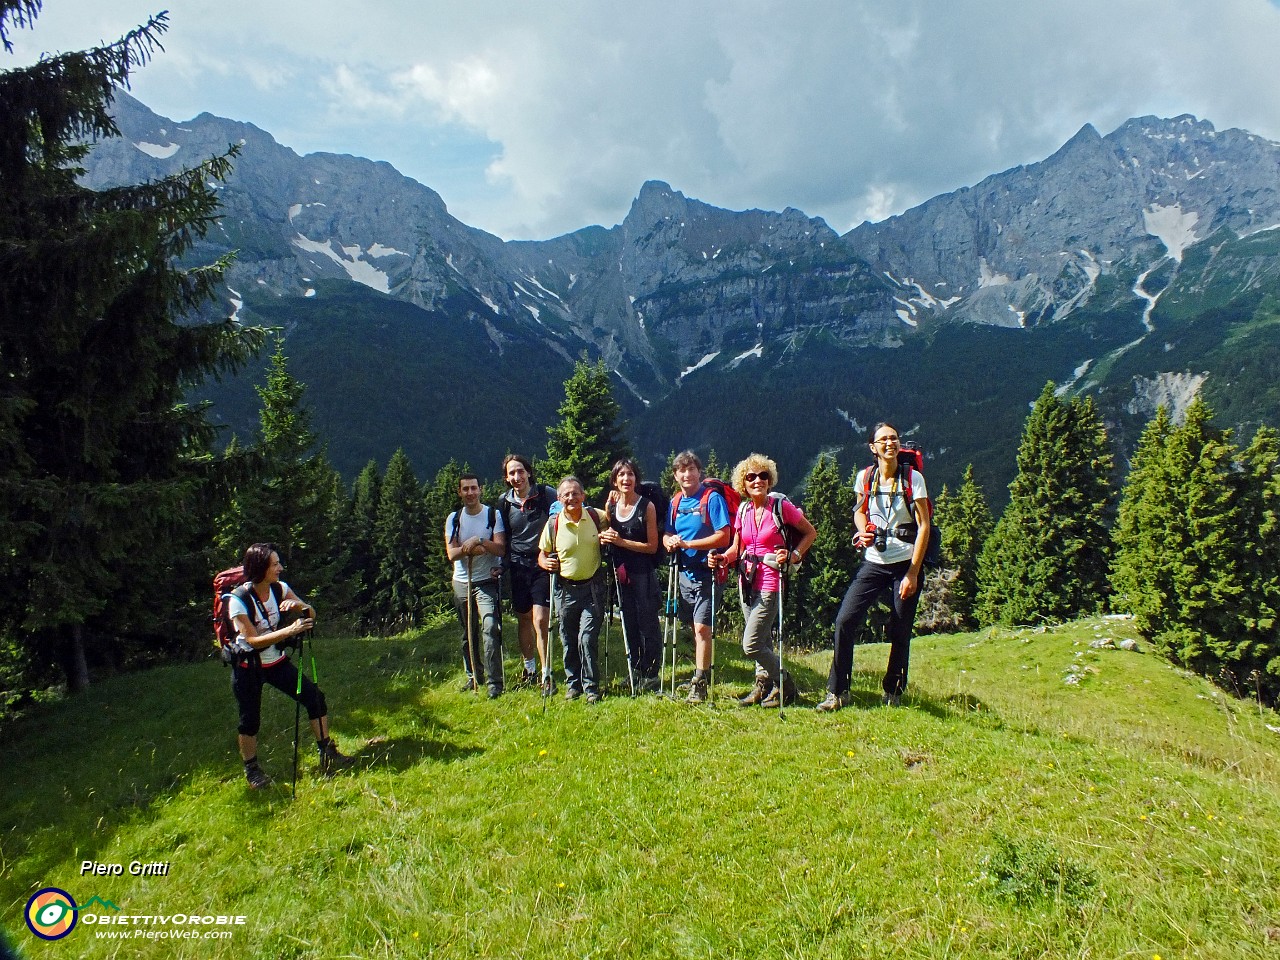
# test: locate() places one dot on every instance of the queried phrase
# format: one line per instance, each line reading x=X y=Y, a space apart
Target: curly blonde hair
x=755 y=463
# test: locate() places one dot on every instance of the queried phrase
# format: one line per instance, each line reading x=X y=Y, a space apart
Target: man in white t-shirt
x=475 y=540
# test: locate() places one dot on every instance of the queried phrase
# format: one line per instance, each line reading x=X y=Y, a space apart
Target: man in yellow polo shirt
x=570 y=549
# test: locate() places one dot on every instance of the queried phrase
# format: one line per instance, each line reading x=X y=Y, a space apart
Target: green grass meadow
x=1035 y=797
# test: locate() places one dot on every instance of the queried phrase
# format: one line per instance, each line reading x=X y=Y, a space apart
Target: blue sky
x=534 y=119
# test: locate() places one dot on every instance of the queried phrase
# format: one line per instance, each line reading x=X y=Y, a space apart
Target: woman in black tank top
x=632 y=538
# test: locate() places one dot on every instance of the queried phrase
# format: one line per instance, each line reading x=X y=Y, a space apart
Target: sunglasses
x=753 y=477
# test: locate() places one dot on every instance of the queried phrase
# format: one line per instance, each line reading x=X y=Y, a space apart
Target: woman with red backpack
x=893 y=520
x=267 y=615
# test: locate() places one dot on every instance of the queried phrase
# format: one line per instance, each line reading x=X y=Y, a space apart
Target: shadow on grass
x=103 y=758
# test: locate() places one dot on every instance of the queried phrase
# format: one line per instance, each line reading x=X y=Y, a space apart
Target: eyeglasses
x=885 y=441
x=753 y=477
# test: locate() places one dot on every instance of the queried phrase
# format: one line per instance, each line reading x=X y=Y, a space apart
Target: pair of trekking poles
x=626 y=641
x=671 y=627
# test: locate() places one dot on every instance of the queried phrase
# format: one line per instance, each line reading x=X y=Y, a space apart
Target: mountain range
x=1140 y=267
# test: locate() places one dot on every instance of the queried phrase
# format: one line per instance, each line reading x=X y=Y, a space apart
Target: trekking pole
x=715 y=576
x=297 y=720
x=297 y=703
x=626 y=643
x=471 y=640
x=608 y=628
x=782 y=686
x=551 y=629
x=671 y=624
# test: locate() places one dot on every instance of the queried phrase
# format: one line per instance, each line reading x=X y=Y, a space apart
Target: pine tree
x=401 y=542
x=100 y=461
x=1046 y=560
x=362 y=555
x=1258 y=652
x=966 y=522
x=440 y=498
x=1149 y=528
x=292 y=500
x=714 y=468
x=588 y=439
x=827 y=569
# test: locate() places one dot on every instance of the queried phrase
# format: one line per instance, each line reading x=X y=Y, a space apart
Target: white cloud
x=535 y=119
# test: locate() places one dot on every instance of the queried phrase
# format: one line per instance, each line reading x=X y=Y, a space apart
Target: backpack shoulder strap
x=493 y=527
x=784 y=528
x=866 y=485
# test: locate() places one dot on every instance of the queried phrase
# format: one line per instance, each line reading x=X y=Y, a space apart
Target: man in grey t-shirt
x=525 y=508
x=475 y=541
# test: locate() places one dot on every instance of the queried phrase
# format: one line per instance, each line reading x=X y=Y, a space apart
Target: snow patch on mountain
x=701 y=363
x=756 y=351
x=1079 y=372
x=1172 y=227
x=845 y=416
x=359 y=270
x=158 y=151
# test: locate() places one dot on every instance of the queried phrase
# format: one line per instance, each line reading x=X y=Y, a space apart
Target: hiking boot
x=697 y=692
x=782 y=696
x=763 y=688
x=649 y=685
x=495 y=691
x=527 y=679
x=573 y=693
x=891 y=700
x=834 y=702
x=257 y=777
x=467 y=686
x=331 y=758
x=548 y=687
x=594 y=697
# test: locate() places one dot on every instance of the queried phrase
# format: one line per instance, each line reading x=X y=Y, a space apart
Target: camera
x=880 y=536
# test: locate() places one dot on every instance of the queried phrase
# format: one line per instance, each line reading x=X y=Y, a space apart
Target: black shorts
x=247 y=682
x=530 y=587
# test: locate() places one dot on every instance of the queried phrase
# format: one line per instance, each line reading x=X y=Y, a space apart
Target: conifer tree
x=440 y=497
x=401 y=541
x=966 y=522
x=101 y=464
x=1149 y=528
x=1046 y=560
x=829 y=566
x=362 y=566
x=588 y=439
x=714 y=468
x=293 y=498
x=1258 y=649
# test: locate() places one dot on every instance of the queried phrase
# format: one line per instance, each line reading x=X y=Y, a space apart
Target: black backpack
x=457 y=523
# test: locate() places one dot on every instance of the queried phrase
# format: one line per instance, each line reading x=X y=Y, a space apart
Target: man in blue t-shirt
x=697 y=523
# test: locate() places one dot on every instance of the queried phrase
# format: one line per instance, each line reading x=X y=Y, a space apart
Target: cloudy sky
x=532 y=119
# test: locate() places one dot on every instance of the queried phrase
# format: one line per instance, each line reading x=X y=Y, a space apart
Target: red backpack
x=732 y=500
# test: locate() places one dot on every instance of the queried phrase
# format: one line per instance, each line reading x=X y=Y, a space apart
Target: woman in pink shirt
x=770 y=534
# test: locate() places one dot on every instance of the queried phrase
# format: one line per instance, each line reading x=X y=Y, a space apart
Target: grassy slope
x=652 y=829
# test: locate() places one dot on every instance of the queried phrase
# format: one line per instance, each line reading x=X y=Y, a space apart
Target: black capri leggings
x=246 y=684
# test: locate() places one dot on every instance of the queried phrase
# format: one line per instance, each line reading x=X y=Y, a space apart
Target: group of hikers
x=557 y=552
